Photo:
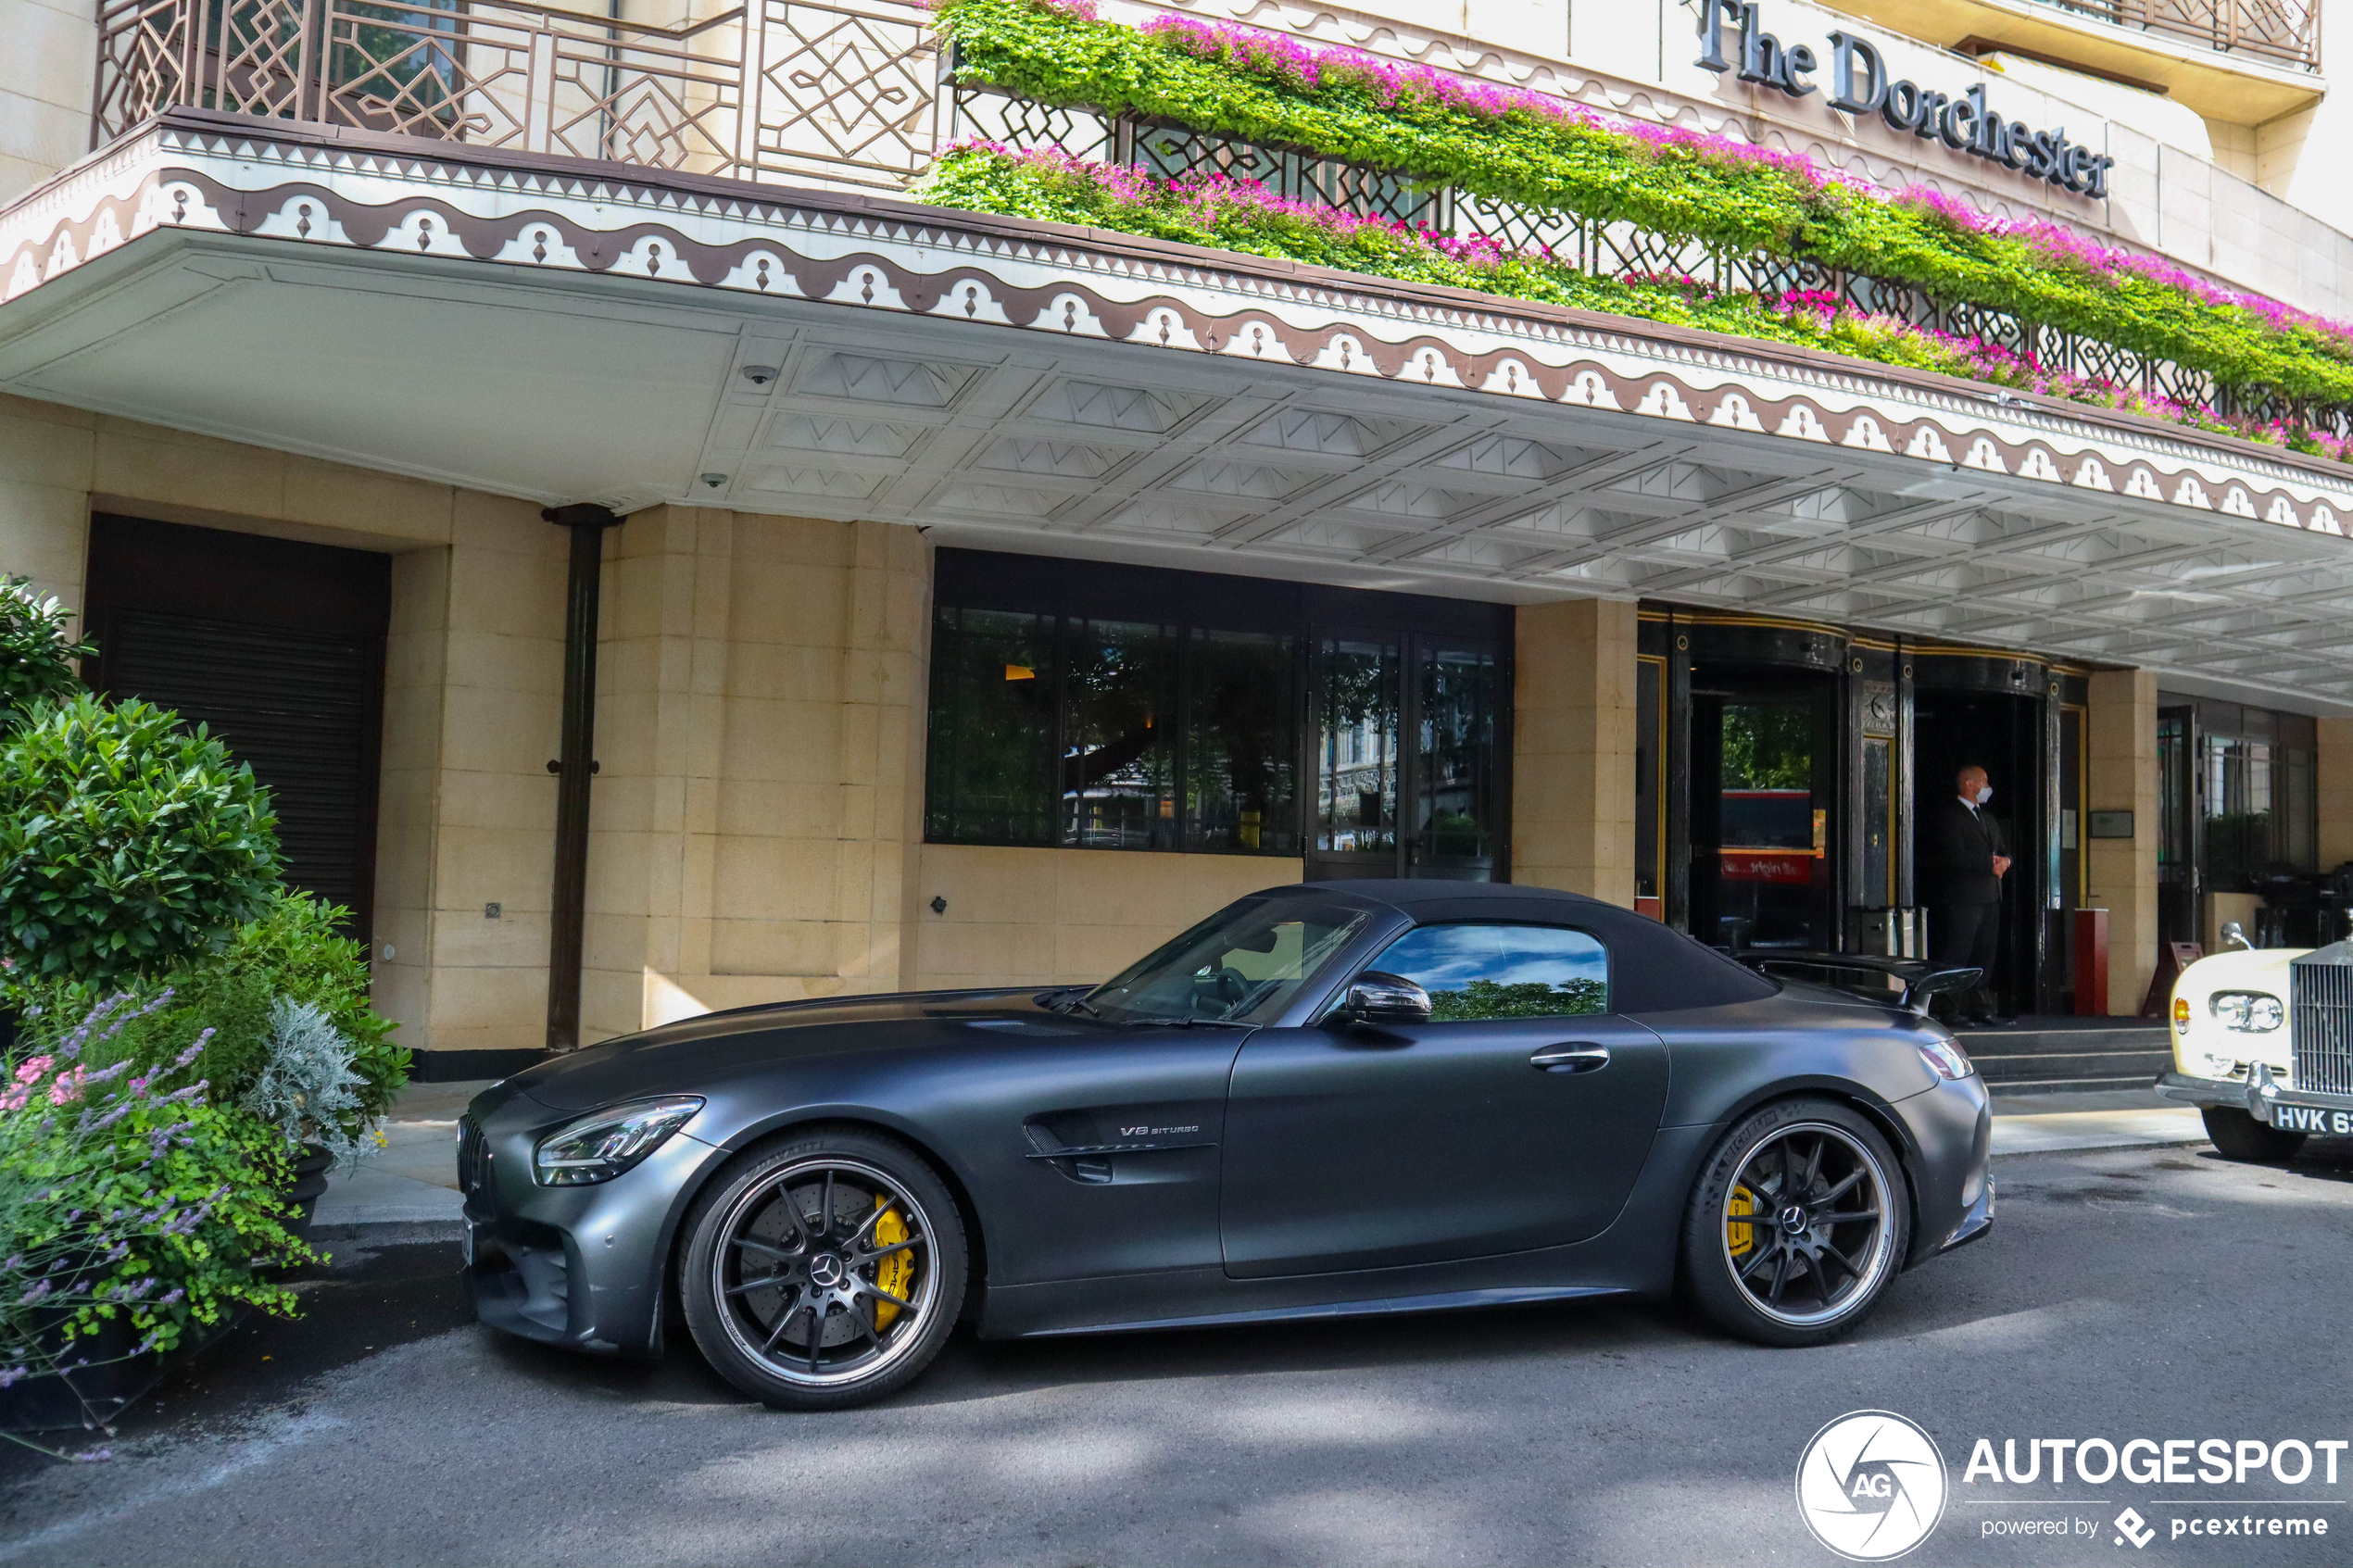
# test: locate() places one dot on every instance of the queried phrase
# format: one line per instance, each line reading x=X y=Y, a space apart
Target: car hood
x=678 y=1058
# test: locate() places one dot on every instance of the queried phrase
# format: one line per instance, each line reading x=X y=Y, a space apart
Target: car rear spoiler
x=1913 y=980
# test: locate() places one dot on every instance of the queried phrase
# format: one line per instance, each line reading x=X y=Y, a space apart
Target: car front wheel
x=823 y=1271
x=2240 y=1137
x=1799 y=1221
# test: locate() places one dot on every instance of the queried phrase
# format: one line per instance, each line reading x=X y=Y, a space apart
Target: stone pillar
x=2123 y=870
x=2334 y=768
x=473 y=684
x=759 y=714
x=47 y=461
x=1573 y=748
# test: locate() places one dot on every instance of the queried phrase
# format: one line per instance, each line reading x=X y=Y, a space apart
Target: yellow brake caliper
x=897 y=1272
x=1739 y=1235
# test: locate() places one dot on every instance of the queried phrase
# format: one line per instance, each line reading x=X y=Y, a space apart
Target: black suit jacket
x=1957 y=849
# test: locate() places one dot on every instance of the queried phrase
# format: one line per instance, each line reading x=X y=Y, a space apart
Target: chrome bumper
x=2261 y=1095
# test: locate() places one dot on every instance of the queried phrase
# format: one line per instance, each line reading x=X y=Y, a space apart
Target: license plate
x=2312 y=1118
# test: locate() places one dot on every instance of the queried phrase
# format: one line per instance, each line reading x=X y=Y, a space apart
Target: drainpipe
x=573 y=768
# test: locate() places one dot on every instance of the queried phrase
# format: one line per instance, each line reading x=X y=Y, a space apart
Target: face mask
x=1985 y=795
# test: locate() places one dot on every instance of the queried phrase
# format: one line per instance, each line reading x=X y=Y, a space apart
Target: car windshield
x=1241 y=965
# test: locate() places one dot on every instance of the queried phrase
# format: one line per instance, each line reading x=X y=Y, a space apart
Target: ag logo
x=1870 y=1485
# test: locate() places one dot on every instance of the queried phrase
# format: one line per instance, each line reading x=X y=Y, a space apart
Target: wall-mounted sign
x=1860 y=85
x=2111 y=824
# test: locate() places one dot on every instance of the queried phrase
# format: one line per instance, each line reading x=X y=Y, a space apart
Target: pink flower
x=33 y=1067
x=14 y=1100
x=67 y=1088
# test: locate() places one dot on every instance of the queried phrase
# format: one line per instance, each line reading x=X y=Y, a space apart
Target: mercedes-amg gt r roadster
x=1335 y=1098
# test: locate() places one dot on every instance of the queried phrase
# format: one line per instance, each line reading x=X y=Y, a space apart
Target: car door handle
x=1575 y=1058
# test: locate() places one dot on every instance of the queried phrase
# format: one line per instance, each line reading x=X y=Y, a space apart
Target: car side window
x=1486 y=969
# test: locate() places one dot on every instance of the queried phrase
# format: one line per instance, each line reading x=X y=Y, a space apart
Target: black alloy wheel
x=1797 y=1225
x=824 y=1272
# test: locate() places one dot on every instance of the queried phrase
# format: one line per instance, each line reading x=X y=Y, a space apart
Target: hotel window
x=1083 y=704
x=2256 y=795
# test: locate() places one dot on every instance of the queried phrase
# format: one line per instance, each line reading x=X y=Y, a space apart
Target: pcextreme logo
x=1870 y=1485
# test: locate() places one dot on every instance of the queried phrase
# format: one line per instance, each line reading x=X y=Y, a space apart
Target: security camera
x=759 y=375
x=714 y=480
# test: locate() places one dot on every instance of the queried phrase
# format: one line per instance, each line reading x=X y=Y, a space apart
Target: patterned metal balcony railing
x=857 y=94
x=2285 y=32
x=769 y=90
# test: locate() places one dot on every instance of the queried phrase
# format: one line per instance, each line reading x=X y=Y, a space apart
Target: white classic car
x=2263 y=1046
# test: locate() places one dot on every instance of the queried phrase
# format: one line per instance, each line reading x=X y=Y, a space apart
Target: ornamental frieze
x=871 y=254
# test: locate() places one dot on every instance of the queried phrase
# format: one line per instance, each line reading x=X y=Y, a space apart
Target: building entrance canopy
x=570 y=331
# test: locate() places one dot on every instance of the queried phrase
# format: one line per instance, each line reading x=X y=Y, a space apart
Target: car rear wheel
x=824 y=1272
x=1799 y=1221
x=2240 y=1137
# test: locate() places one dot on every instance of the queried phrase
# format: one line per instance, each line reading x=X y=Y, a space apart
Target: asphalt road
x=2149 y=1292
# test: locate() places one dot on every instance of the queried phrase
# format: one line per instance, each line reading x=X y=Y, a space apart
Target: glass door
x=1763 y=791
x=1359 y=701
x=1408 y=758
x=1452 y=816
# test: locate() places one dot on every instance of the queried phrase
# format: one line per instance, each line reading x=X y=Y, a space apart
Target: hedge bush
x=127 y=843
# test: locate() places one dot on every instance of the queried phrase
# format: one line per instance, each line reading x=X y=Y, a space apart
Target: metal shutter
x=298 y=706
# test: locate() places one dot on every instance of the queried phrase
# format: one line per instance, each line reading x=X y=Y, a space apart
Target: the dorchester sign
x=1860 y=85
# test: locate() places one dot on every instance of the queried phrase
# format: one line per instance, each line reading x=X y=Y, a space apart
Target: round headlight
x=600 y=1146
x=2249 y=1012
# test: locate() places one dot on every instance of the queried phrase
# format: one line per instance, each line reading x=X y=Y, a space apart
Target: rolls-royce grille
x=2320 y=1024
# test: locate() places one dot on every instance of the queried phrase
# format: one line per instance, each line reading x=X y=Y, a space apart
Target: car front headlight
x=2249 y=1012
x=1946 y=1060
x=598 y=1148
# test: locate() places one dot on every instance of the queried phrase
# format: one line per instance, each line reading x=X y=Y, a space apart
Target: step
x=2136 y=1066
x=2069 y=1042
x=2062 y=1085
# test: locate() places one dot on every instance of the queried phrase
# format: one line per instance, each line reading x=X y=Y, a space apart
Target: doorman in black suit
x=1962 y=859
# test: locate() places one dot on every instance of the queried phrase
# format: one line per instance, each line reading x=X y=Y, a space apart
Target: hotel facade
x=971 y=598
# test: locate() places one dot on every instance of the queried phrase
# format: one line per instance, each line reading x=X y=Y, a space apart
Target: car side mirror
x=1376 y=998
x=2235 y=934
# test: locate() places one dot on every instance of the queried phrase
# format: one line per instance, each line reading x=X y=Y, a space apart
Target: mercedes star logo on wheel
x=1870 y=1485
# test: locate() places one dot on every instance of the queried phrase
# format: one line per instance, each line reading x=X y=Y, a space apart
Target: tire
x=1807 y=1278
x=2240 y=1137
x=793 y=1257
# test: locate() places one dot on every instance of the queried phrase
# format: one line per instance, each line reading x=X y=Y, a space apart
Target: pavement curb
x=387 y=1233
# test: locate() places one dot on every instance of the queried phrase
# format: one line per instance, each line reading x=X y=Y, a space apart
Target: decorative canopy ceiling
x=584 y=332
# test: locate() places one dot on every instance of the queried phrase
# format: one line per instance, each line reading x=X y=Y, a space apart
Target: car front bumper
x=2264 y=1098
x=1952 y=1127
x=576 y=1266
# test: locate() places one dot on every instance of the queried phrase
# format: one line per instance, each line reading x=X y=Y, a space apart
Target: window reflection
x=1118 y=768
x=1242 y=742
x=1356 y=747
x=1458 y=786
x=1476 y=971
x=992 y=728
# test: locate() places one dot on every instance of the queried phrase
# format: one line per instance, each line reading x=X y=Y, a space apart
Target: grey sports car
x=1335 y=1098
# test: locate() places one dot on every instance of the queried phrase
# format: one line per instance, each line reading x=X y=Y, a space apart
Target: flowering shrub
x=1742 y=199
x=126 y=842
x=1239 y=215
x=123 y=1202
x=292 y=955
